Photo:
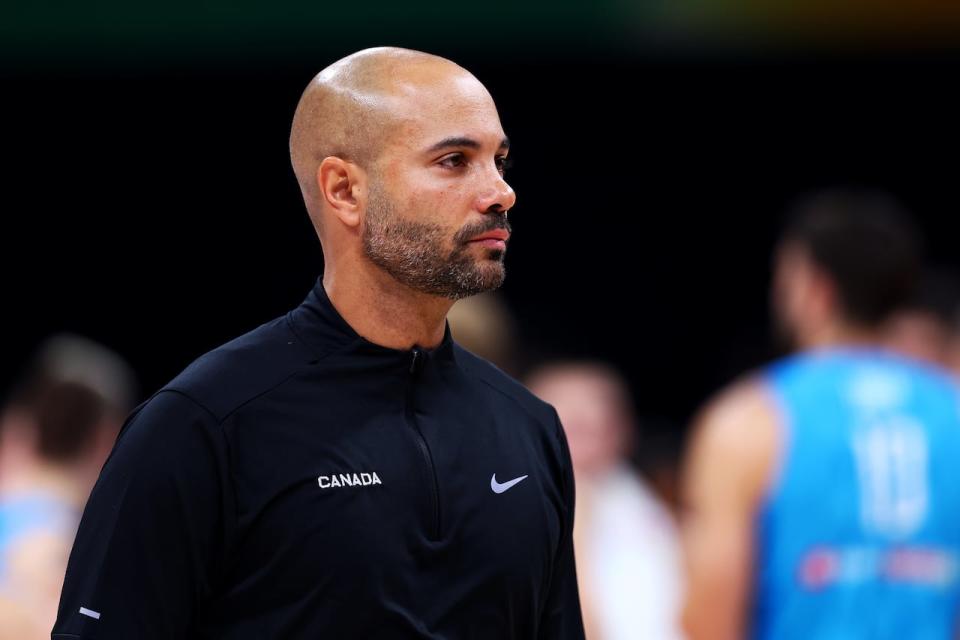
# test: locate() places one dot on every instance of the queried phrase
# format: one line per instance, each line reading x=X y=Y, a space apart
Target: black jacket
x=303 y=482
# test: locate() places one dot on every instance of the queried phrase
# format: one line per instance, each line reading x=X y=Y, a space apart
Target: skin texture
x=734 y=452
x=393 y=206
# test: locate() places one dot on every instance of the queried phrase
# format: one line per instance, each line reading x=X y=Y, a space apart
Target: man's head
x=400 y=157
x=594 y=405
x=485 y=326
x=846 y=260
x=69 y=403
x=927 y=327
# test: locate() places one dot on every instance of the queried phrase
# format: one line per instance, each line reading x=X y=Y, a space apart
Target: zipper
x=416 y=363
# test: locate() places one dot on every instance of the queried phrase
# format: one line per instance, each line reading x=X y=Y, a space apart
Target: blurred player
x=822 y=495
x=928 y=326
x=56 y=430
x=628 y=556
x=484 y=325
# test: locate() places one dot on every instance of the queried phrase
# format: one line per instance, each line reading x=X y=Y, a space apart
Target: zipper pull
x=416 y=361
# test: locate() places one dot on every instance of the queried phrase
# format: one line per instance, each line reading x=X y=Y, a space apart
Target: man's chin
x=489 y=277
x=493 y=269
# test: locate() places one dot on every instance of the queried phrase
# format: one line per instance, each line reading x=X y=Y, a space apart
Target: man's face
x=591 y=408
x=786 y=293
x=799 y=296
x=436 y=218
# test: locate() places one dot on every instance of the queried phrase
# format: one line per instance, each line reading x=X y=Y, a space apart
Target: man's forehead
x=457 y=101
x=428 y=133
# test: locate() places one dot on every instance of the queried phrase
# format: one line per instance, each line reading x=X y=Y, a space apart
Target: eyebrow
x=463 y=141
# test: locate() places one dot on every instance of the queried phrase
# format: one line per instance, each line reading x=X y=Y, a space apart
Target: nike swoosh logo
x=501 y=487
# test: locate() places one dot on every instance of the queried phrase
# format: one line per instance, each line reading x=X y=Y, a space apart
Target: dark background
x=148 y=201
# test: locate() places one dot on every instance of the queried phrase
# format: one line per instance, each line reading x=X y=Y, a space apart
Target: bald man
x=348 y=471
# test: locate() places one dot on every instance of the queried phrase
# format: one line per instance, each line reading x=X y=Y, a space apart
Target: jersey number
x=891 y=459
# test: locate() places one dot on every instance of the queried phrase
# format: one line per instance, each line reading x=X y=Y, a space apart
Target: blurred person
x=347 y=470
x=484 y=325
x=56 y=429
x=927 y=327
x=628 y=556
x=821 y=494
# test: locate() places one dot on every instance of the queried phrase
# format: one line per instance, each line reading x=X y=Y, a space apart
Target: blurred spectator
x=928 y=326
x=821 y=499
x=56 y=430
x=484 y=325
x=625 y=539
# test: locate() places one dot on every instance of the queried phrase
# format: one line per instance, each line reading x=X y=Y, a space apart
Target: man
x=626 y=543
x=347 y=470
x=928 y=326
x=56 y=429
x=822 y=494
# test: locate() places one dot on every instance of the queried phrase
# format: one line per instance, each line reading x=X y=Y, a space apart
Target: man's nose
x=499 y=197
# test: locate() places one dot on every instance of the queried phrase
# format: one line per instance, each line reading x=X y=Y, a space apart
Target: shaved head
x=400 y=156
x=349 y=108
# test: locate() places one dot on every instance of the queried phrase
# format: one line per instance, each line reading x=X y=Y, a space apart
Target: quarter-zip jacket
x=303 y=482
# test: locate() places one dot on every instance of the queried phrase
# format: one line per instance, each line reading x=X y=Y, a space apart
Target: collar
x=318 y=324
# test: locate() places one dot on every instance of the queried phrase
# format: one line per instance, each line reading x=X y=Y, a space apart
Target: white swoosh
x=500 y=488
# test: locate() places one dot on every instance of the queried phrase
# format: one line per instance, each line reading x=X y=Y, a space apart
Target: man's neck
x=839 y=334
x=385 y=311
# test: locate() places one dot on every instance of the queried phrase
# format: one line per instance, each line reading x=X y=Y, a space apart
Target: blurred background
x=149 y=204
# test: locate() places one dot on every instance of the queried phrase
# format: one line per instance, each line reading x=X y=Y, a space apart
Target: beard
x=416 y=253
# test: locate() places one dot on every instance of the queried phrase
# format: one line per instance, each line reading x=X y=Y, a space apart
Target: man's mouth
x=493 y=239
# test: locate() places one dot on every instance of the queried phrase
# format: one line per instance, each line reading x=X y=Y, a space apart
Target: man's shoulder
x=227 y=377
x=739 y=412
x=736 y=437
x=505 y=387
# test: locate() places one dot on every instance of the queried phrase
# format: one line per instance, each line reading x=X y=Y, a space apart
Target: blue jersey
x=30 y=514
x=860 y=533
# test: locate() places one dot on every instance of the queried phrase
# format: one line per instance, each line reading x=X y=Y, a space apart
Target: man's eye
x=453 y=161
x=503 y=163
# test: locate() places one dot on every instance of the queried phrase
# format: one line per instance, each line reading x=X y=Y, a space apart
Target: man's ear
x=343 y=187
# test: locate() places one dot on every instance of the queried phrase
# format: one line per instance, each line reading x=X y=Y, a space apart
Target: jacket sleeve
x=562 y=619
x=151 y=540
